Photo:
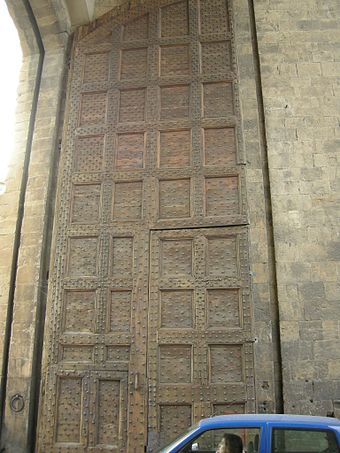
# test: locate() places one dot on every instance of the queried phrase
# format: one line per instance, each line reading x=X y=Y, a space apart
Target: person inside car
x=230 y=443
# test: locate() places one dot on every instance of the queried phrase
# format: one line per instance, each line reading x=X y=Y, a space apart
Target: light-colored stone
x=298 y=89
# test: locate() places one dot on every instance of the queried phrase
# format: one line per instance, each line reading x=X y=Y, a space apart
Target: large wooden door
x=149 y=315
x=200 y=348
x=95 y=376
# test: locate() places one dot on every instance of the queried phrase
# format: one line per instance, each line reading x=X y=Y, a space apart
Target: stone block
x=308 y=69
x=299 y=350
x=331 y=329
x=312 y=292
x=333 y=369
x=289 y=331
x=307 y=369
x=327 y=350
x=330 y=68
x=311 y=330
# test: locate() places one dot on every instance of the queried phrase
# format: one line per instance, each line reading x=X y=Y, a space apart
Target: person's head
x=231 y=443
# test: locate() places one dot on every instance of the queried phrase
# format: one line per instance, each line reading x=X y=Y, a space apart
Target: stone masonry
x=30 y=281
x=300 y=68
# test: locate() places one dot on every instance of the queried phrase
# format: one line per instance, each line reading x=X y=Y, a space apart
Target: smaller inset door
x=90 y=413
x=108 y=415
x=66 y=427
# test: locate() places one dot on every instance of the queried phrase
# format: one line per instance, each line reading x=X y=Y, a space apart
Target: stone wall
x=300 y=66
x=33 y=229
x=266 y=347
x=10 y=199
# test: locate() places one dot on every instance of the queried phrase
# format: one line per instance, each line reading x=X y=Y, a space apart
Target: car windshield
x=177 y=441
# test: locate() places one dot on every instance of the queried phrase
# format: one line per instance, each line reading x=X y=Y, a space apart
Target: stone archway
x=193 y=219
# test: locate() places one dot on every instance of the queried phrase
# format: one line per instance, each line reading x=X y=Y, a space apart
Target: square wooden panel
x=136 y=30
x=175 y=148
x=175 y=61
x=96 y=67
x=223 y=308
x=132 y=105
x=174 y=102
x=118 y=353
x=218 y=99
x=109 y=414
x=174 y=19
x=88 y=154
x=222 y=196
x=85 y=207
x=69 y=410
x=122 y=257
x=79 y=311
x=176 y=309
x=93 y=108
x=77 y=354
x=226 y=363
x=173 y=421
x=175 y=364
x=176 y=257
x=215 y=57
x=127 y=200
x=174 y=199
x=119 y=316
x=219 y=146
x=222 y=257
x=130 y=151
x=82 y=260
x=213 y=16
x=133 y=64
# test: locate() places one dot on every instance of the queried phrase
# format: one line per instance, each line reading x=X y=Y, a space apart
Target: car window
x=226 y=440
x=304 y=441
x=178 y=440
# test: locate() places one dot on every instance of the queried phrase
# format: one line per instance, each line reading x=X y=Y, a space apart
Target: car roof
x=262 y=419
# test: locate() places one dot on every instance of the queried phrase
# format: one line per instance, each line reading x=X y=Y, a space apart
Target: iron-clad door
x=151 y=202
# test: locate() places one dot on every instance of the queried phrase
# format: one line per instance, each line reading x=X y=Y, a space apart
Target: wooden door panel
x=152 y=142
x=200 y=344
x=98 y=347
x=67 y=425
x=98 y=300
x=108 y=416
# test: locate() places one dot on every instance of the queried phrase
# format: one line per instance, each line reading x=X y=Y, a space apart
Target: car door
x=302 y=439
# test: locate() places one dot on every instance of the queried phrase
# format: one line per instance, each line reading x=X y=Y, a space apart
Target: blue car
x=260 y=434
